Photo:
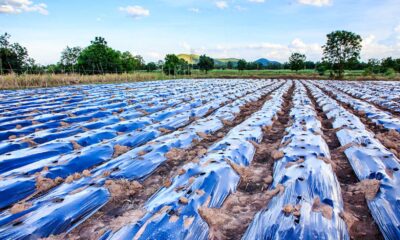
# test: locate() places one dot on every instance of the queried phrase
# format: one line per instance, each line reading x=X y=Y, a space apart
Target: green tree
x=241 y=65
x=130 y=63
x=151 y=66
x=229 y=65
x=373 y=67
x=309 y=65
x=397 y=64
x=297 y=61
x=322 y=67
x=206 y=63
x=341 y=48
x=14 y=58
x=69 y=58
x=98 y=57
x=173 y=65
x=274 y=66
x=390 y=63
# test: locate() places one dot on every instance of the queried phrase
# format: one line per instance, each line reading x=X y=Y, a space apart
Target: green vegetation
x=297 y=61
x=241 y=65
x=99 y=63
x=13 y=57
x=341 y=50
x=206 y=63
x=176 y=66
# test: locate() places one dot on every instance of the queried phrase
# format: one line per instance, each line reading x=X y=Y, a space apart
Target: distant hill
x=190 y=58
x=265 y=62
x=194 y=59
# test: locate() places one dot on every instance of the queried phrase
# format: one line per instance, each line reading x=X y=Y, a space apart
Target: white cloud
x=256 y=1
x=373 y=48
x=20 y=6
x=195 y=10
x=135 y=11
x=222 y=4
x=318 y=3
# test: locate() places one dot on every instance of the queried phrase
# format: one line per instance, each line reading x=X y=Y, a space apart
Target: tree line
x=341 y=52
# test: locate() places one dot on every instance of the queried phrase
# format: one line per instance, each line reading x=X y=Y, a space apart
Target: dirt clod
x=368 y=187
x=19 y=207
x=119 y=150
x=324 y=209
x=121 y=189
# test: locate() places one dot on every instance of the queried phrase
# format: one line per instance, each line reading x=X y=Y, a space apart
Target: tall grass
x=14 y=81
x=23 y=81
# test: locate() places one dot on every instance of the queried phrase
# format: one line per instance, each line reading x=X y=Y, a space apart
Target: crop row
x=88 y=193
x=160 y=160
x=309 y=202
x=173 y=212
x=370 y=161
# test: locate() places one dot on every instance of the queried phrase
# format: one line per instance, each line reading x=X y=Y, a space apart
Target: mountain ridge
x=194 y=59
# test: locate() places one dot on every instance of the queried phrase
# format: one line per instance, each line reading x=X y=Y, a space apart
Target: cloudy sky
x=247 y=29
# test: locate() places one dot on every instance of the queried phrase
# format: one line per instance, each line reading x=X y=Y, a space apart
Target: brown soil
x=129 y=209
x=252 y=195
x=356 y=213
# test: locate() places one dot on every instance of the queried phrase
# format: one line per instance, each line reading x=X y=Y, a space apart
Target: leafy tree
x=151 y=66
x=229 y=65
x=206 y=63
x=69 y=58
x=184 y=67
x=241 y=65
x=130 y=63
x=373 y=67
x=170 y=64
x=397 y=64
x=54 y=68
x=322 y=67
x=309 y=65
x=286 y=65
x=98 y=57
x=274 y=66
x=173 y=65
x=390 y=63
x=13 y=57
x=297 y=61
x=341 y=47
x=252 y=66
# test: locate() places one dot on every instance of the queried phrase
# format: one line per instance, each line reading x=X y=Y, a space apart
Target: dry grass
x=13 y=81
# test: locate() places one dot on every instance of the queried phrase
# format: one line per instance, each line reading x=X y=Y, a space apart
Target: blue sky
x=247 y=29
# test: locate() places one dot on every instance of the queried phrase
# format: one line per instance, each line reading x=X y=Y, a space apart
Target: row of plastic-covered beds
x=210 y=181
x=52 y=208
x=310 y=193
x=383 y=94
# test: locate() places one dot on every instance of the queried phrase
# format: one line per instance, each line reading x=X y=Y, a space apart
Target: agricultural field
x=201 y=159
